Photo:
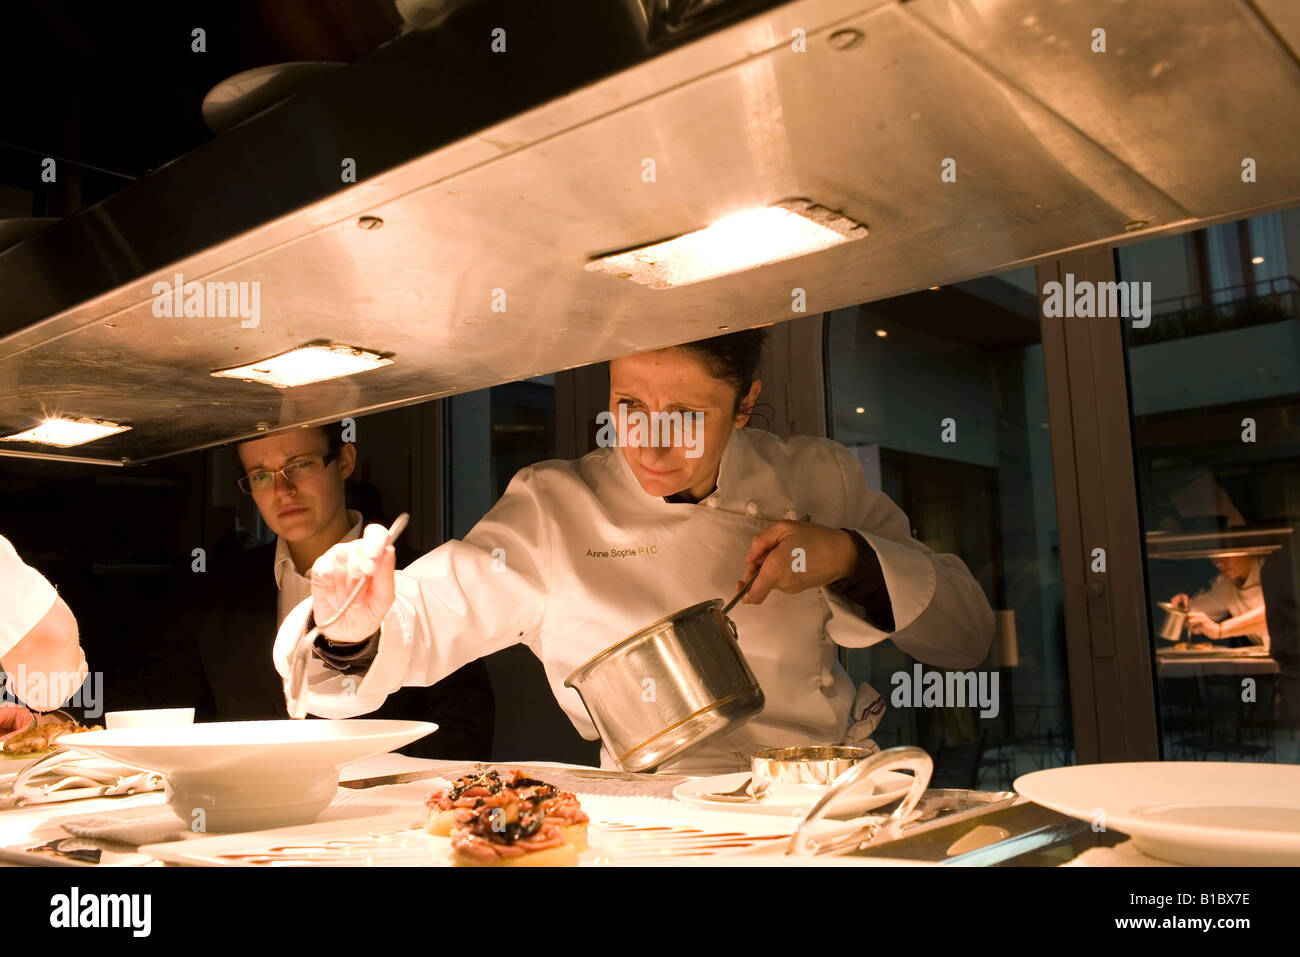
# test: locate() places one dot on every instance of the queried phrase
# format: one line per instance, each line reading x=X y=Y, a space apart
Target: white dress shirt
x=294 y=588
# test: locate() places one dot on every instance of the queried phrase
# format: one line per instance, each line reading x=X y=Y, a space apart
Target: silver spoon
x=742 y=793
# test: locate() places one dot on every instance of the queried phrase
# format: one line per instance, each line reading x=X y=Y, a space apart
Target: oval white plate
x=1214 y=813
x=890 y=785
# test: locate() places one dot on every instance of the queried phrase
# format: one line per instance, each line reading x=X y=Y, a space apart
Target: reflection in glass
x=942 y=395
x=1215 y=384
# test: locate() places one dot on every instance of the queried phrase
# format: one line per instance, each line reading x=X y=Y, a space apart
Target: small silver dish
x=816 y=766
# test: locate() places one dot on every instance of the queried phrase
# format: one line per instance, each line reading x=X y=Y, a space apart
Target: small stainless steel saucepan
x=1171 y=628
x=670 y=686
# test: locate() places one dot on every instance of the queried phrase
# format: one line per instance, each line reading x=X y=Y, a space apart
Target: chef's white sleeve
x=461 y=601
x=941 y=614
x=25 y=597
x=1214 y=600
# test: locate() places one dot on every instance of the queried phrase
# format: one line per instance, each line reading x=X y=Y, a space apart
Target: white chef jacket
x=575 y=556
x=26 y=597
x=1223 y=599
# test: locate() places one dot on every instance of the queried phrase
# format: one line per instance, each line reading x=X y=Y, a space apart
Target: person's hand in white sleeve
x=39 y=645
x=336 y=573
x=461 y=601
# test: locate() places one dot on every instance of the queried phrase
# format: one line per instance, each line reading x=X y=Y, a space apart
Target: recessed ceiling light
x=859 y=410
x=1257 y=260
x=315 y=362
x=66 y=433
x=881 y=333
x=735 y=243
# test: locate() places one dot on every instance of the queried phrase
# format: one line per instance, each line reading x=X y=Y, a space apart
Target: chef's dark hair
x=735 y=358
x=333 y=436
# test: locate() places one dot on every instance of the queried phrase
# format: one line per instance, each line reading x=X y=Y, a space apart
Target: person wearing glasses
x=221 y=663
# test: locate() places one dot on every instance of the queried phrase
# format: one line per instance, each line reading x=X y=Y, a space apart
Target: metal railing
x=1228 y=307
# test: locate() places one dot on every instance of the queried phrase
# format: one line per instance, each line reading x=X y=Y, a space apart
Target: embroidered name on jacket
x=629 y=551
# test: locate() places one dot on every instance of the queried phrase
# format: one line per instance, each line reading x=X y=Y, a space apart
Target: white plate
x=250 y=775
x=622 y=830
x=1217 y=813
x=889 y=786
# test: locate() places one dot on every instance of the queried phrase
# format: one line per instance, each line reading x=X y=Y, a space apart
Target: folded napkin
x=132 y=825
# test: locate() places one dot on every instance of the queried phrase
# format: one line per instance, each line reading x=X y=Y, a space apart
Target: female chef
x=577 y=555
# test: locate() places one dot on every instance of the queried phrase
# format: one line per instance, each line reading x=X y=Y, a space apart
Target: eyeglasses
x=293 y=473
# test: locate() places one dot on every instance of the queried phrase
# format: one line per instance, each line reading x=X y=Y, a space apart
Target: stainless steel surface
x=668 y=688
x=295 y=683
x=1171 y=627
x=804 y=765
x=403 y=777
x=1217 y=544
x=946 y=817
x=811 y=839
x=493 y=200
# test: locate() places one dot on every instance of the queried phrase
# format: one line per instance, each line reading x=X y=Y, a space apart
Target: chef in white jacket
x=577 y=555
x=40 y=650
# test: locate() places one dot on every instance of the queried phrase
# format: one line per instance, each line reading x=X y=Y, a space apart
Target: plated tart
x=518 y=821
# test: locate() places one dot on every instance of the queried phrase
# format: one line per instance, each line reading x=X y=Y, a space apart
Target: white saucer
x=1214 y=813
x=795 y=799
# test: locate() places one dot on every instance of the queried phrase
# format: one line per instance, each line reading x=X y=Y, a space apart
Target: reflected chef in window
x=297 y=480
x=577 y=555
x=1232 y=605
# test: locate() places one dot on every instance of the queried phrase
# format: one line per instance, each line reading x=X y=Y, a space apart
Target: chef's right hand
x=13 y=718
x=337 y=572
x=1179 y=601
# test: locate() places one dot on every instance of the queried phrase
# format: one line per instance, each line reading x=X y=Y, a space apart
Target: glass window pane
x=1215 y=384
x=493 y=434
x=942 y=395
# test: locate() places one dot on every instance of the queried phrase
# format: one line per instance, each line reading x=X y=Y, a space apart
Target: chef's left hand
x=828 y=555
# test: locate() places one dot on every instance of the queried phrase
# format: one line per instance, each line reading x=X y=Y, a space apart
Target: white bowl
x=154 y=717
x=249 y=775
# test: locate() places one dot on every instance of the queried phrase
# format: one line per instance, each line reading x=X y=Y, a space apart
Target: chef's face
x=300 y=509
x=667 y=381
x=1235 y=567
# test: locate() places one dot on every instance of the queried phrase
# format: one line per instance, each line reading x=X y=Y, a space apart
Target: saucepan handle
x=803 y=844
